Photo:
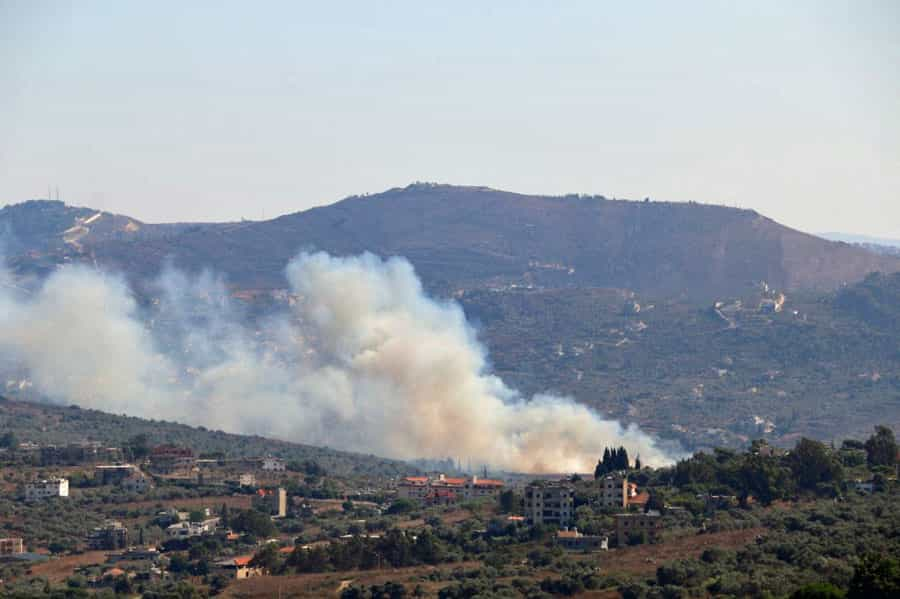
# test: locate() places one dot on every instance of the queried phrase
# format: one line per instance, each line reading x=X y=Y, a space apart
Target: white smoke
x=364 y=360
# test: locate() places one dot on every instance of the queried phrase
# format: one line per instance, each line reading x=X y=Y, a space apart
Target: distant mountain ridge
x=475 y=237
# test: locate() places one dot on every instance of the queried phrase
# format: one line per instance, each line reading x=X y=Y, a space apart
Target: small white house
x=44 y=489
x=270 y=464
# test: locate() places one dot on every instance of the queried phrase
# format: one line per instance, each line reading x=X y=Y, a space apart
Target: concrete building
x=446 y=490
x=549 y=503
x=270 y=464
x=238 y=568
x=113 y=474
x=111 y=536
x=184 y=530
x=628 y=526
x=170 y=460
x=575 y=541
x=11 y=546
x=45 y=489
x=248 y=479
x=614 y=491
x=274 y=501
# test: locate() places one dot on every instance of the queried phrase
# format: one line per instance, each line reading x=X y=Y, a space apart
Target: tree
x=253 y=522
x=875 y=577
x=881 y=447
x=507 y=501
x=138 y=446
x=267 y=558
x=818 y=590
x=401 y=506
x=637 y=463
x=812 y=463
x=8 y=440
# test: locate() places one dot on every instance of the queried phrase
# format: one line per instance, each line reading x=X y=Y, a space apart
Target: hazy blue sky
x=219 y=110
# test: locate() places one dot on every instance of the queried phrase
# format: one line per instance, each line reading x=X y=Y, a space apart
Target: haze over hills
x=706 y=324
x=470 y=237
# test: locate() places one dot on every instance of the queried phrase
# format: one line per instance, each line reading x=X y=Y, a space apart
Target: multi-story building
x=614 y=491
x=274 y=501
x=646 y=525
x=447 y=490
x=170 y=460
x=44 y=489
x=11 y=546
x=550 y=503
x=113 y=474
x=111 y=536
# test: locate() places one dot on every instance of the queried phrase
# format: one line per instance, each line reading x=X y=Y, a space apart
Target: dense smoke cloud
x=362 y=360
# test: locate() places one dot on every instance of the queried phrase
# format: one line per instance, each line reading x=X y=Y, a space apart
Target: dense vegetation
x=45 y=424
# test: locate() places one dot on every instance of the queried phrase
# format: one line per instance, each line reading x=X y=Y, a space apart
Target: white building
x=270 y=464
x=43 y=489
x=183 y=530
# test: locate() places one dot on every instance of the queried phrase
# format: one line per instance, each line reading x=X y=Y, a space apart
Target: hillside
x=826 y=366
x=48 y=424
x=470 y=237
x=551 y=284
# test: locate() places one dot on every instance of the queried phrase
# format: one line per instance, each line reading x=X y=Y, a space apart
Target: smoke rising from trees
x=362 y=359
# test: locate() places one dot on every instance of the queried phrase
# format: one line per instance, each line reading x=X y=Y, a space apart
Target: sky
x=209 y=111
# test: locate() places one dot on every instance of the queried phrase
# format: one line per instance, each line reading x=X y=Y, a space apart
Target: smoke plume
x=361 y=360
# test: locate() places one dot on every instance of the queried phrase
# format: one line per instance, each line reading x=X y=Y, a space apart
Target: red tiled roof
x=441 y=493
x=416 y=480
x=488 y=482
x=286 y=550
x=242 y=560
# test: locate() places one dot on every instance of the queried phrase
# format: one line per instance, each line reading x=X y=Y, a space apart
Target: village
x=97 y=519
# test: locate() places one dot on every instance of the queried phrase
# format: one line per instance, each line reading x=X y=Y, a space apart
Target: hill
x=470 y=237
x=825 y=366
x=49 y=424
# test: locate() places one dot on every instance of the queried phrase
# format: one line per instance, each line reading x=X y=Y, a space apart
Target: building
x=137 y=482
x=247 y=479
x=274 y=501
x=44 y=489
x=113 y=474
x=184 y=530
x=414 y=487
x=446 y=490
x=170 y=460
x=11 y=546
x=270 y=464
x=614 y=490
x=632 y=526
x=77 y=453
x=477 y=488
x=111 y=536
x=238 y=568
x=575 y=541
x=549 y=503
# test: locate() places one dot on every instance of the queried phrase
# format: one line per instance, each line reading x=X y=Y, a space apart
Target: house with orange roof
x=423 y=488
x=238 y=568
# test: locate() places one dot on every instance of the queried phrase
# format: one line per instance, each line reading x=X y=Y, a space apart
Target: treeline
x=810 y=467
x=615 y=459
